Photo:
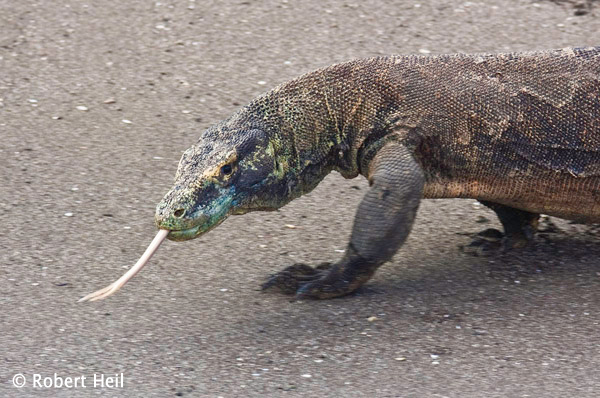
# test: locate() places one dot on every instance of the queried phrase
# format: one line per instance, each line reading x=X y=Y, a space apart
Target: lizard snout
x=193 y=206
x=187 y=213
x=175 y=211
x=177 y=218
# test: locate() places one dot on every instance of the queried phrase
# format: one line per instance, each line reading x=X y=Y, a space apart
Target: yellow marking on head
x=282 y=166
x=215 y=172
x=270 y=150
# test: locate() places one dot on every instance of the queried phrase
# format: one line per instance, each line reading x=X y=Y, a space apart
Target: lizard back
x=518 y=129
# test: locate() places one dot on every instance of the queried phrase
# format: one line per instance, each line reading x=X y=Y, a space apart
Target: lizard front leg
x=382 y=223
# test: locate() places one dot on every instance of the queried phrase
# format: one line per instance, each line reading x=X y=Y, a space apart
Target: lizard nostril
x=179 y=213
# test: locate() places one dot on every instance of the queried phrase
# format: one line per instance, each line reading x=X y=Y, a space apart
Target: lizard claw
x=321 y=289
x=325 y=281
x=296 y=278
x=492 y=241
x=485 y=243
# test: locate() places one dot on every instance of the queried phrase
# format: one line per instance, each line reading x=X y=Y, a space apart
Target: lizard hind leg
x=519 y=229
x=382 y=223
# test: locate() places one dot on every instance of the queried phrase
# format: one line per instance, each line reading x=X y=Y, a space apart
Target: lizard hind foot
x=485 y=243
x=492 y=241
x=519 y=229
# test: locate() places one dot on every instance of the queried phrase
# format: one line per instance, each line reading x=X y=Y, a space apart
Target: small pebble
x=307 y=376
x=400 y=359
x=434 y=356
x=68 y=214
x=290 y=226
x=223 y=290
x=261 y=82
x=424 y=51
x=33 y=101
x=56 y=117
x=126 y=121
x=372 y=319
x=186 y=111
x=81 y=108
x=110 y=101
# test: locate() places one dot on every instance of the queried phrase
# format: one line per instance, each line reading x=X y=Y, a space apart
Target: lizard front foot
x=325 y=281
x=292 y=278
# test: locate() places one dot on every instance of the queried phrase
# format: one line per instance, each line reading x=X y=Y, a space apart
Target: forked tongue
x=116 y=285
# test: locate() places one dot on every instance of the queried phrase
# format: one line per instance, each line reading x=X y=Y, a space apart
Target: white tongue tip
x=116 y=285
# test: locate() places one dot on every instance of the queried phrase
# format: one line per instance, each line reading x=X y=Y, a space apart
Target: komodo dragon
x=519 y=132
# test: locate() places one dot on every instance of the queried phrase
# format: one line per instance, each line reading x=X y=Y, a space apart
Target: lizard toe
x=485 y=243
x=303 y=281
x=322 y=289
x=289 y=279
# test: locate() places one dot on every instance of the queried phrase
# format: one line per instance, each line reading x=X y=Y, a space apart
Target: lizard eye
x=226 y=169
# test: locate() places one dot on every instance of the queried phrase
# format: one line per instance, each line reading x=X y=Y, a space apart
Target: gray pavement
x=98 y=100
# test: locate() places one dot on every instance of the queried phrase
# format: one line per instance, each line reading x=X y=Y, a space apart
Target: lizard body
x=518 y=131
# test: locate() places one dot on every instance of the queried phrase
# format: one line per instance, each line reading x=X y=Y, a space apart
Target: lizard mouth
x=184 y=234
x=193 y=232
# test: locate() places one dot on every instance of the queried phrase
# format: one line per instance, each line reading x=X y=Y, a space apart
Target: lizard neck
x=319 y=121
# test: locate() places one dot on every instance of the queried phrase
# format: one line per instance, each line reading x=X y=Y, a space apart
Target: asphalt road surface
x=99 y=99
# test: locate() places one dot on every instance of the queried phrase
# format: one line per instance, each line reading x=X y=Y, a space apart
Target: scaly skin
x=520 y=132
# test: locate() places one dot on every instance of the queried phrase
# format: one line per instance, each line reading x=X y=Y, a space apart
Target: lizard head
x=228 y=171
